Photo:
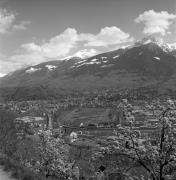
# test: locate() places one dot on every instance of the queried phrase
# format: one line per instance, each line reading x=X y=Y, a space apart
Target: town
x=93 y=126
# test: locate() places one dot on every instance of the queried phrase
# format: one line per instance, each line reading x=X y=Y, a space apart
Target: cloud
x=22 y=25
x=31 y=53
x=67 y=44
x=156 y=22
x=62 y=45
x=106 y=37
x=7 y=24
x=57 y=47
x=7 y=66
x=6 y=20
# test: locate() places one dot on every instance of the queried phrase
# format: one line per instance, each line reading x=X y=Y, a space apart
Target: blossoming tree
x=153 y=152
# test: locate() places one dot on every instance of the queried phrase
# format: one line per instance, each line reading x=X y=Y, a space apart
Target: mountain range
x=146 y=63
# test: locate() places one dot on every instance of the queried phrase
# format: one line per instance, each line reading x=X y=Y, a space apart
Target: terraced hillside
x=85 y=115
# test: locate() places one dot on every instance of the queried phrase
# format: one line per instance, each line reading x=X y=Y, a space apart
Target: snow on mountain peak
x=116 y=56
x=148 y=40
x=2 y=74
x=51 y=67
x=158 y=41
x=172 y=46
x=32 y=69
x=157 y=58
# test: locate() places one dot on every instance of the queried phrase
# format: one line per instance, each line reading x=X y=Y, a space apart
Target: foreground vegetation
x=31 y=158
x=144 y=156
x=18 y=171
x=130 y=154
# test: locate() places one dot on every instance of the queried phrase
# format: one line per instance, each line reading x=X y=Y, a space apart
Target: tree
x=54 y=157
x=8 y=132
x=154 y=152
x=46 y=155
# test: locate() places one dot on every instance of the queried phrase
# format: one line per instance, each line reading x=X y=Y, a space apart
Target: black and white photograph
x=87 y=89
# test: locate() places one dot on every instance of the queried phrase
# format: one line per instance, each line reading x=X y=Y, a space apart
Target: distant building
x=81 y=125
x=73 y=136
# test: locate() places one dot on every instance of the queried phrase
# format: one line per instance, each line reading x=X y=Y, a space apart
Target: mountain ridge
x=146 y=63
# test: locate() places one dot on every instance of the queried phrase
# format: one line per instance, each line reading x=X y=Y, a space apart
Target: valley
x=82 y=118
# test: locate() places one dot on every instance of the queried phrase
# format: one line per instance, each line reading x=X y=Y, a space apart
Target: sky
x=34 y=31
